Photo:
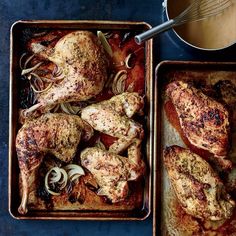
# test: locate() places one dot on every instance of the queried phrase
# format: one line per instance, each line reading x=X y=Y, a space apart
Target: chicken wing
x=204 y=122
x=83 y=62
x=112 y=171
x=112 y=117
x=58 y=134
x=198 y=188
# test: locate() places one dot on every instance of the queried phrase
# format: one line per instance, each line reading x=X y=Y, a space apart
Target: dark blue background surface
x=166 y=47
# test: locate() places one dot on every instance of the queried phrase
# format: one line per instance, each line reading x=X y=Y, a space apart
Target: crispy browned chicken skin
x=58 y=134
x=112 y=171
x=198 y=188
x=204 y=121
x=83 y=62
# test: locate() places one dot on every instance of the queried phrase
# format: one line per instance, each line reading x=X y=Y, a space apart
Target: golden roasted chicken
x=55 y=133
x=198 y=188
x=82 y=61
x=204 y=121
x=112 y=171
x=113 y=117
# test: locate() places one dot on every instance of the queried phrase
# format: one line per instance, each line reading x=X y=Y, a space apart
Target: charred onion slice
x=104 y=42
x=118 y=85
x=55 y=175
x=74 y=171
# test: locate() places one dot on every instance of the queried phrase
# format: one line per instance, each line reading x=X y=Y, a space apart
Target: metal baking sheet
x=143 y=210
x=169 y=218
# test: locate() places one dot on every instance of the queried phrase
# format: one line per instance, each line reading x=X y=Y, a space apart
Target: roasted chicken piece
x=58 y=134
x=198 y=188
x=204 y=122
x=112 y=117
x=82 y=60
x=112 y=171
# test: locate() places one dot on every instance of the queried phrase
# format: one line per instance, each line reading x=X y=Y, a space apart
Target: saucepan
x=214 y=33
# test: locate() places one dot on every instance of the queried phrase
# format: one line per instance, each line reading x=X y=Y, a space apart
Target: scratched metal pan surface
x=136 y=210
x=169 y=217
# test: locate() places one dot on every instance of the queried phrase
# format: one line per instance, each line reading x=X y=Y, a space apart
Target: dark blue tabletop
x=166 y=46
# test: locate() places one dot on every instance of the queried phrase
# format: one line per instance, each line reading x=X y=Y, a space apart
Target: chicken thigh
x=112 y=171
x=112 y=117
x=58 y=134
x=198 y=188
x=84 y=64
x=204 y=122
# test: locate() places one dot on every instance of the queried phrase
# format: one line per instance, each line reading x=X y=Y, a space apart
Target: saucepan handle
x=152 y=32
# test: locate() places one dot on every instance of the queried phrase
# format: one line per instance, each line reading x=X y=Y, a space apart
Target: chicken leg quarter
x=58 y=134
x=83 y=62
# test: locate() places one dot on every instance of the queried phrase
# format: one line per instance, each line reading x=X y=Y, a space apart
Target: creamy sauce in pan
x=213 y=33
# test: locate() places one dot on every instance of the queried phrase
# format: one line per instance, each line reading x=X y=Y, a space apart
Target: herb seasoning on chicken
x=197 y=186
x=204 y=121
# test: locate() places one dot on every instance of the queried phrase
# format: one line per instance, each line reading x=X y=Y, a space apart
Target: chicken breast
x=58 y=134
x=198 y=188
x=204 y=122
x=112 y=171
x=112 y=117
x=82 y=61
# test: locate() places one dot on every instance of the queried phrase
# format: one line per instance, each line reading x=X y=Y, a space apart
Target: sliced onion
x=69 y=109
x=59 y=176
x=74 y=171
x=65 y=108
x=104 y=42
x=46 y=183
x=41 y=91
x=28 y=60
x=42 y=78
x=108 y=34
x=20 y=61
x=40 y=34
x=76 y=109
x=118 y=85
x=56 y=108
x=74 y=177
x=63 y=181
x=28 y=70
x=127 y=59
x=58 y=74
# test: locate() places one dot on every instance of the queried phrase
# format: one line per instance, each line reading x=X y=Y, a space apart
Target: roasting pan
x=136 y=213
x=165 y=220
